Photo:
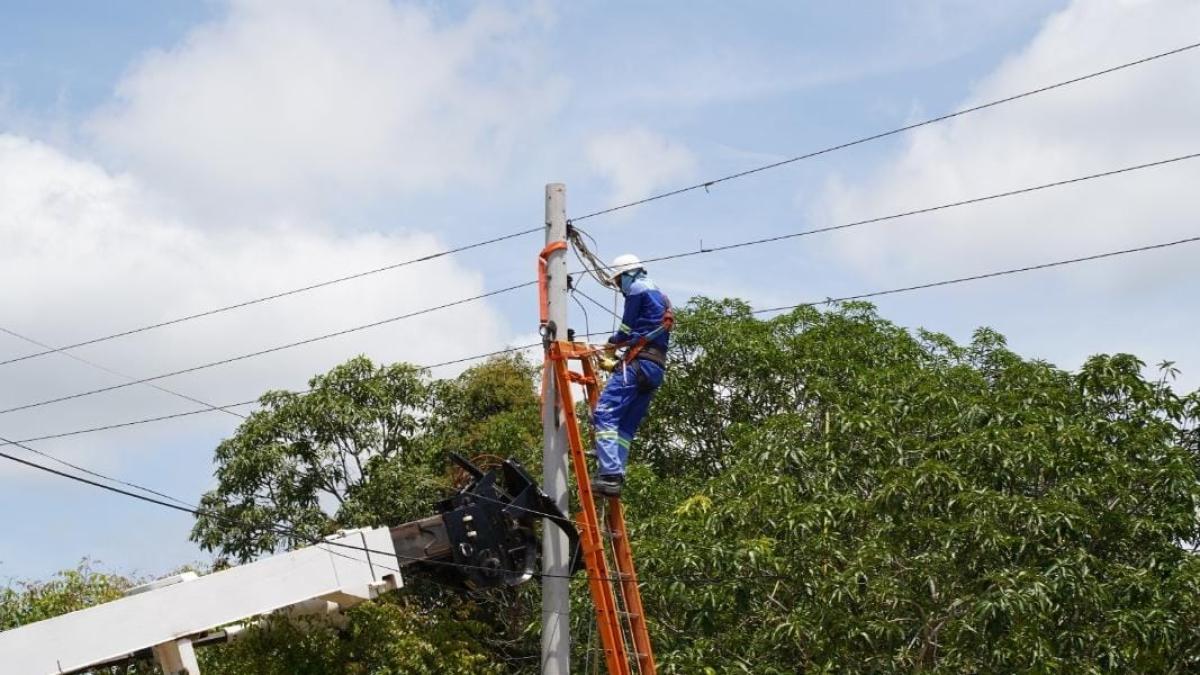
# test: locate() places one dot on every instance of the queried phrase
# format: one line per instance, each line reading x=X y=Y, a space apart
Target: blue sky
x=162 y=158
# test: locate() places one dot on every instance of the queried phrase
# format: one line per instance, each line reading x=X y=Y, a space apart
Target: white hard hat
x=625 y=263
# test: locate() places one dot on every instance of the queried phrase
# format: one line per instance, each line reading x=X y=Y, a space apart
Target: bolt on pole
x=556 y=601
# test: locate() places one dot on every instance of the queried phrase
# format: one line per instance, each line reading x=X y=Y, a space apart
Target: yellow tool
x=608 y=362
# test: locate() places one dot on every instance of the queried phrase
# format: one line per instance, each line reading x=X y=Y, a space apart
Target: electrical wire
x=988 y=275
x=1017 y=270
x=262 y=352
x=866 y=139
x=183 y=507
x=119 y=374
x=587 y=322
x=95 y=474
x=589 y=334
x=189 y=413
x=920 y=211
x=23 y=443
x=122 y=425
x=274 y=296
x=193 y=510
x=594 y=265
x=772 y=239
x=292 y=533
x=598 y=304
x=704 y=185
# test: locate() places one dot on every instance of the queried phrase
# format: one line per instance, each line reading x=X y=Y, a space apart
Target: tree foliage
x=25 y=602
x=872 y=500
x=388 y=637
x=821 y=491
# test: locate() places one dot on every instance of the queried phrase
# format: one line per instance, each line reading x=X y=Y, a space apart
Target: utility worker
x=644 y=333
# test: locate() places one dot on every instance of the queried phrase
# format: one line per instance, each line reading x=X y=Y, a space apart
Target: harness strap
x=668 y=323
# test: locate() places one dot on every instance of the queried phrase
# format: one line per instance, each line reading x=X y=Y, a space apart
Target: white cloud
x=1130 y=117
x=637 y=161
x=1142 y=114
x=95 y=254
x=313 y=102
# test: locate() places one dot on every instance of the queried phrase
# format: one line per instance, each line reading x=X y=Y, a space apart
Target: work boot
x=608 y=485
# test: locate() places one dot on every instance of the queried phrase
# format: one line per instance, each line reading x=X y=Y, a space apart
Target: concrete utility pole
x=556 y=601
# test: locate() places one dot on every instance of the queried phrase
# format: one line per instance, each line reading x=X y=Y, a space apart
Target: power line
x=703 y=251
x=675 y=256
x=86 y=470
x=119 y=374
x=520 y=233
x=195 y=511
x=920 y=211
x=860 y=296
x=598 y=304
x=271 y=350
x=121 y=425
x=273 y=296
x=189 y=413
x=701 y=578
x=697 y=186
x=934 y=120
x=988 y=275
x=293 y=534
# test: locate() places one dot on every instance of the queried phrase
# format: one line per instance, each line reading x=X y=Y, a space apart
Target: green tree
x=821 y=491
x=25 y=602
x=873 y=500
x=392 y=636
x=368 y=445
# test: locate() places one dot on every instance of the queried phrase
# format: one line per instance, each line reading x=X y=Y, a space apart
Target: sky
x=162 y=159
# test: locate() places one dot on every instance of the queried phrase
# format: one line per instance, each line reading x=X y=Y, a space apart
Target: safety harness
x=643 y=349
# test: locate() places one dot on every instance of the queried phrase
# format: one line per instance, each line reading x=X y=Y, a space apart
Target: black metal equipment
x=486 y=530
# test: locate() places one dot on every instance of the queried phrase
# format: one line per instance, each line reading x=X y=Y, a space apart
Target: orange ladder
x=620 y=619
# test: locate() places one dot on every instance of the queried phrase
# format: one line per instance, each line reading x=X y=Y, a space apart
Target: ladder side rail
x=623 y=611
x=593 y=546
x=627 y=574
x=629 y=593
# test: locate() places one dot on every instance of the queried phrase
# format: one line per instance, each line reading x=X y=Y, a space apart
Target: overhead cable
x=847 y=298
x=271 y=350
x=909 y=127
x=110 y=371
x=273 y=296
x=705 y=185
x=189 y=413
x=1017 y=270
x=987 y=275
x=195 y=511
x=686 y=254
x=920 y=211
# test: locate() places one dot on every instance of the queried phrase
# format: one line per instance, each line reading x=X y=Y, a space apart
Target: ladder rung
x=612 y=535
x=629 y=615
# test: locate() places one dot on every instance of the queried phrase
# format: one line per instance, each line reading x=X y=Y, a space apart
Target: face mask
x=626 y=283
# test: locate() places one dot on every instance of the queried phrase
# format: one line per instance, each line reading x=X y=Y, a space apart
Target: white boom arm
x=483 y=536
x=167 y=618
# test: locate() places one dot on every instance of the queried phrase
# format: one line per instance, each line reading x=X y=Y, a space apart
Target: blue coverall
x=623 y=404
